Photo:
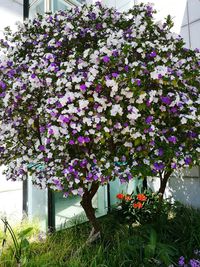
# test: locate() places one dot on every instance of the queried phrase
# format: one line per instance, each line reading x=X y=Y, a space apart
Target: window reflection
x=39 y=6
x=36 y=7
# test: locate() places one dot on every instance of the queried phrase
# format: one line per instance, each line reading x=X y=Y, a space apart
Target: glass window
x=37 y=204
x=60 y=5
x=36 y=7
x=68 y=211
x=64 y=4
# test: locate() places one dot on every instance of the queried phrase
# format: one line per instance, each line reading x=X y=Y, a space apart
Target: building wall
x=190 y=27
x=10 y=12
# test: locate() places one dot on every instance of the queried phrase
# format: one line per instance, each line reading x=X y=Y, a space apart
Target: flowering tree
x=93 y=94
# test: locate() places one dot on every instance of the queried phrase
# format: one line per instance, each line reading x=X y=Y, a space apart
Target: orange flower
x=120 y=196
x=137 y=205
x=141 y=197
x=128 y=198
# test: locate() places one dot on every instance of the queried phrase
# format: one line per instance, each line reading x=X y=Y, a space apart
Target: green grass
x=158 y=244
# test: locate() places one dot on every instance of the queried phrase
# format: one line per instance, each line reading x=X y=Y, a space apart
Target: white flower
x=116 y=109
x=92 y=131
x=128 y=144
x=106 y=129
x=141 y=98
x=162 y=70
x=30 y=121
x=183 y=120
x=146 y=161
x=83 y=103
x=107 y=165
x=136 y=135
x=133 y=113
x=139 y=50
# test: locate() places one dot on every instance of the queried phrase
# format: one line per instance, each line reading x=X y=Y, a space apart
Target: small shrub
x=142 y=207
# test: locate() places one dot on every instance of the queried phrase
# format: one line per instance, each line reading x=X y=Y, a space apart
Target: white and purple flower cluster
x=92 y=94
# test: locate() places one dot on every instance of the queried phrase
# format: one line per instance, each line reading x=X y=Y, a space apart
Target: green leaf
x=137 y=141
x=24 y=233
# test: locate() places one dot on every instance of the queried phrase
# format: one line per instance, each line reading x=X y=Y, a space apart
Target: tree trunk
x=144 y=184
x=163 y=183
x=86 y=203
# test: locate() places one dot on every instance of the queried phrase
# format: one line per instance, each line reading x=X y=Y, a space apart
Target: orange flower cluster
x=125 y=197
x=142 y=198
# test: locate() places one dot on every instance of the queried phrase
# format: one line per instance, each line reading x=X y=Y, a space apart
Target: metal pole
x=47 y=6
x=51 y=211
x=25 y=182
x=25 y=9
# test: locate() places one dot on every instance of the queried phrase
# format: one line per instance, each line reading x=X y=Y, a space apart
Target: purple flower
x=173 y=165
x=160 y=152
x=126 y=68
x=98 y=88
x=92 y=16
x=115 y=53
x=83 y=87
x=64 y=119
x=114 y=74
x=81 y=139
x=158 y=166
x=194 y=263
x=58 y=43
x=172 y=139
x=74 y=132
x=192 y=134
x=71 y=142
x=33 y=76
x=188 y=160
x=99 y=26
x=2 y=94
x=106 y=59
x=138 y=82
x=58 y=184
x=173 y=110
x=149 y=119
x=95 y=177
x=2 y=149
x=166 y=100
x=153 y=54
x=181 y=261
x=80 y=191
x=2 y=85
x=50 y=131
x=152 y=143
x=148 y=104
x=149 y=11
x=94 y=161
x=87 y=139
x=41 y=148
x=123 y=159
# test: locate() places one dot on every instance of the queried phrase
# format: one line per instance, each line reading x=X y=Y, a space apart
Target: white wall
x=10 y=12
